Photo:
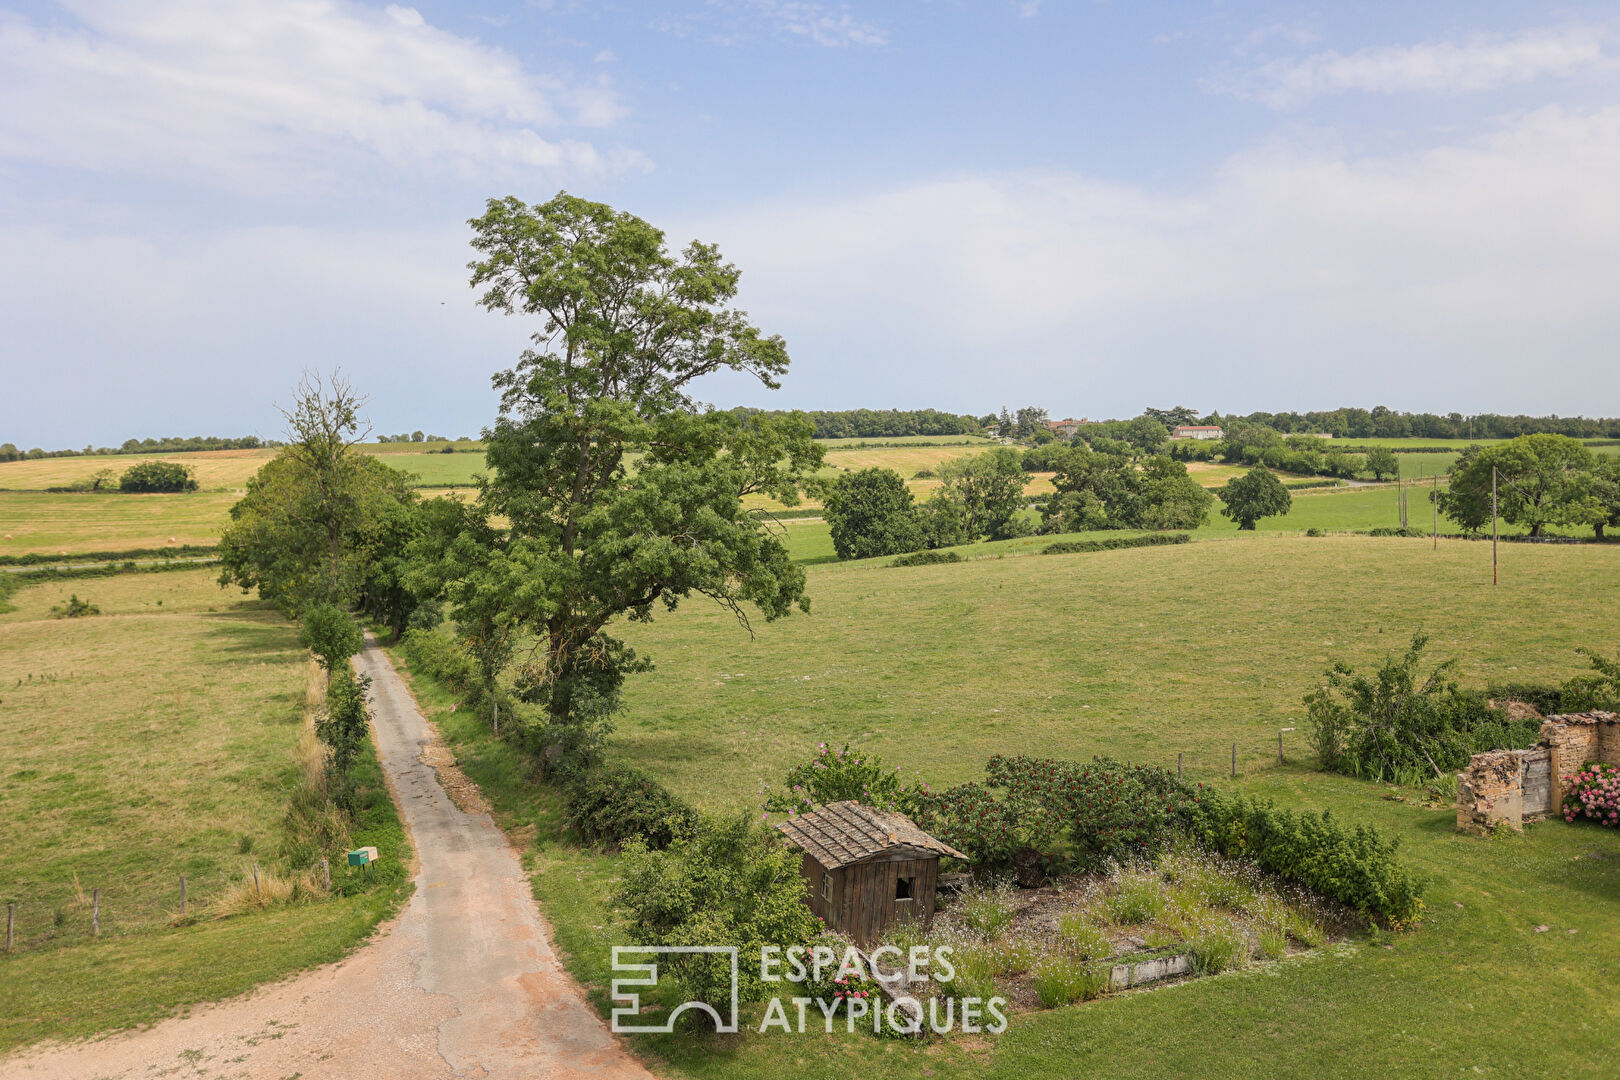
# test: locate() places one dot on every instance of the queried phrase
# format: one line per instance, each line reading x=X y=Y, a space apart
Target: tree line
x=1103 y=485
x=171 y=444
x=882 y=423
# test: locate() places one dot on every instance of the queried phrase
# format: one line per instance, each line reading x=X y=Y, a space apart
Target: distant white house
x=1196 y=431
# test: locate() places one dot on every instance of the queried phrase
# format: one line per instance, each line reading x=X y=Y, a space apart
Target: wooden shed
x=866 y=868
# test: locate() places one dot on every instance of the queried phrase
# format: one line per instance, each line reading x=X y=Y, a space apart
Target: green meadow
x=1143 y=654
x=161 y=737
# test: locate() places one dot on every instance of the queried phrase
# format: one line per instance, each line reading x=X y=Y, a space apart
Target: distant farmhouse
x=1196 y=431
x=1064 y=429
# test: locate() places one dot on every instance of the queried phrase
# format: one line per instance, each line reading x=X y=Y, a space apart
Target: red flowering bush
x=1594 y=794
x=1068 y=814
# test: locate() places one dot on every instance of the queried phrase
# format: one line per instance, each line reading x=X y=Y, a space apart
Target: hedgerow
x=1114 y=543
x=926 y=558
x=1355 y=865
x=1035 y=816
x=35 y=558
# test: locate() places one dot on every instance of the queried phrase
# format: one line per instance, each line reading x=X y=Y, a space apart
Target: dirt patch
x=462 y=791
x=1517 y=710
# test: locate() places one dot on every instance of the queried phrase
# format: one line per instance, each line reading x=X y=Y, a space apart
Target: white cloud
x=1479 y=272
x=264 y=94
x=1482 y=62
x=123 y=325
x=822 y=24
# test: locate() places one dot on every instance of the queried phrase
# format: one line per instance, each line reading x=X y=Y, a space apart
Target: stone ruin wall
x=1510 y=787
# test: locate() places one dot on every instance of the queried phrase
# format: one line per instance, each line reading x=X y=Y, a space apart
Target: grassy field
x=158 y=738
x=1143 y=654
x=229 y=470
x=1333 y=510
x=40 y=521
x=52 y=522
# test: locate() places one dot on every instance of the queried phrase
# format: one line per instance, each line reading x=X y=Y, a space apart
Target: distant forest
x=1346 y=423
x=172 y=444
x=884 y=423
x=1383 y=423
x=1378 y=422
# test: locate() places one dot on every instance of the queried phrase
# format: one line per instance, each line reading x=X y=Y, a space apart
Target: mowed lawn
x=1142 y=654
x=156 y=739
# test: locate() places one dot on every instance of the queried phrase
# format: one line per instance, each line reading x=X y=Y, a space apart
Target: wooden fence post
x=1178 y=766
x=11 y=924
x=95 y=912
x=1234 y=761
x=326 y=874
x=182 y=896
x=257 y=895
x=1279 y=748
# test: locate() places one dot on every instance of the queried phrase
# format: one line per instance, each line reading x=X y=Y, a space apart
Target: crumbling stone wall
x=1492 y=790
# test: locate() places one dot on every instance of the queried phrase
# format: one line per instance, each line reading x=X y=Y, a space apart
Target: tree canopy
x=619 y=492
x=1109 y=491
x=157 y=476
x=986 y=492
x=1254 y=495
x=1541 y=480
x=871 y=512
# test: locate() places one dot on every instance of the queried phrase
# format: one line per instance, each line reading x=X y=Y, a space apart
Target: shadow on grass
x=254 y=641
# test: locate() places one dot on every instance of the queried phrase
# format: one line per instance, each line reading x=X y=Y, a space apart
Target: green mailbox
x=363 y=856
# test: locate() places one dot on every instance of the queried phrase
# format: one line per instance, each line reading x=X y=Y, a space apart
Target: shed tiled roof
x=847 y=832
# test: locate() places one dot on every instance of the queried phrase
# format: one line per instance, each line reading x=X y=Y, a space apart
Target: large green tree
x=300 y=541
x=1604 y=492
x=871 y=512
x=986 y=491
x=1254 y=495
x=1541 y=480
x=1109 y=491
x=1382 y=462
x=619 y=492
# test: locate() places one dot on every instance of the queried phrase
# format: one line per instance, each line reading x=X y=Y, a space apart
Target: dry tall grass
x=314 y=824
x=260 y=888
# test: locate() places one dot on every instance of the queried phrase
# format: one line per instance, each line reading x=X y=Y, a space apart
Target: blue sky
x=1089 y=206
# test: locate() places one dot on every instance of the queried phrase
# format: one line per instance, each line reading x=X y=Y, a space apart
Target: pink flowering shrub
x=853 y=987
x=1594 y=794
x=836 y=775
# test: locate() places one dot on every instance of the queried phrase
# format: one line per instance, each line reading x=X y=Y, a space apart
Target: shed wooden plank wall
x=865 y=900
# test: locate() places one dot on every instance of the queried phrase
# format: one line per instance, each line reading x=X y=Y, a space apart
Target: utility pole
x=1435 y=498
x=1493 y=525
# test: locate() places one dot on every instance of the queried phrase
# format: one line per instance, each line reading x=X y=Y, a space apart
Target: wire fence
x=64 y=913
